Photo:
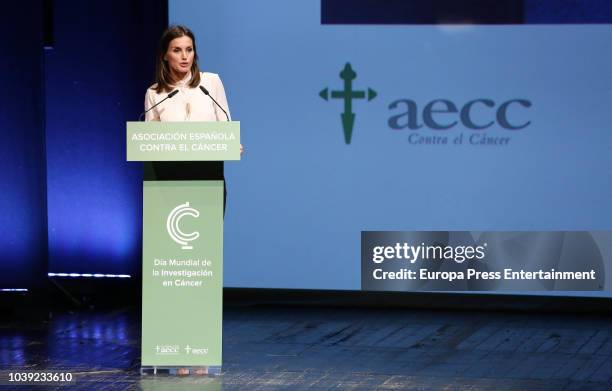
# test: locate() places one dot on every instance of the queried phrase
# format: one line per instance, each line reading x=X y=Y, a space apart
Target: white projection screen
x=306 y=189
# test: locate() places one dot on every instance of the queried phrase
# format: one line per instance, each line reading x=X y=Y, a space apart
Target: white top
x=190 y=104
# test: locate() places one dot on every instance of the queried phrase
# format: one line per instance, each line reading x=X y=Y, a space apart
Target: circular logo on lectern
x=174 y=230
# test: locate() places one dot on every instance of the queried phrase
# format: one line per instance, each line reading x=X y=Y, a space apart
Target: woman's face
x=180 y=56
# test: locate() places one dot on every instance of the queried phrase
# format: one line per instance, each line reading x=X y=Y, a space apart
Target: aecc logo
x=443 y=114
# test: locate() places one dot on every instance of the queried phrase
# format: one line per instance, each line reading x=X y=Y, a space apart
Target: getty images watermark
x=462 y=260
x=412 y=254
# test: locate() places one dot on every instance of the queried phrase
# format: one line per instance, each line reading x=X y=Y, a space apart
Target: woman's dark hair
x=162 y=72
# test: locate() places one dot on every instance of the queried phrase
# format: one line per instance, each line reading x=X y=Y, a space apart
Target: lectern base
x=180 y=370
x=182 y=277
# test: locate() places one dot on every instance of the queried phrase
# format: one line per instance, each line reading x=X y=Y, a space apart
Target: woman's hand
x=241 y=149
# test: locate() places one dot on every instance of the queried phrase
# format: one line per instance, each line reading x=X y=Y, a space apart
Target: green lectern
x=182 y=255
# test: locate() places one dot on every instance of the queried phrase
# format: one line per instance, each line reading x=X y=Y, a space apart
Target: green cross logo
x=348 y=94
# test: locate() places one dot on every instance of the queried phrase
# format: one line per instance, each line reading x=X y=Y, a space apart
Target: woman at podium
x=182 y=93
x=177 y=69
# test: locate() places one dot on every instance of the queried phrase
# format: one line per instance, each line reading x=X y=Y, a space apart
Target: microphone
x=170 y=95
x=205 y=91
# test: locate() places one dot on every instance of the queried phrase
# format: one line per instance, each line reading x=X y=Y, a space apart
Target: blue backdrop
x=70 y=202
x=96 y=74
x=23 y=217
x=301 y=196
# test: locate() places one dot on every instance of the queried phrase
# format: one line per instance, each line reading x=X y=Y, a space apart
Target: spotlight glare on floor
x=89 y=275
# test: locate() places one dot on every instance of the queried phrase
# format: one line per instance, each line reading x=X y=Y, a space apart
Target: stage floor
x=274 y=348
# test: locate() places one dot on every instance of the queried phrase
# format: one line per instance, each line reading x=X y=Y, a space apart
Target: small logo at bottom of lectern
x=174 y=229
x=167 y=349
x=196 y=351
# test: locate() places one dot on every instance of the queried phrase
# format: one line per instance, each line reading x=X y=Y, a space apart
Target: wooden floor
x=276 y=348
